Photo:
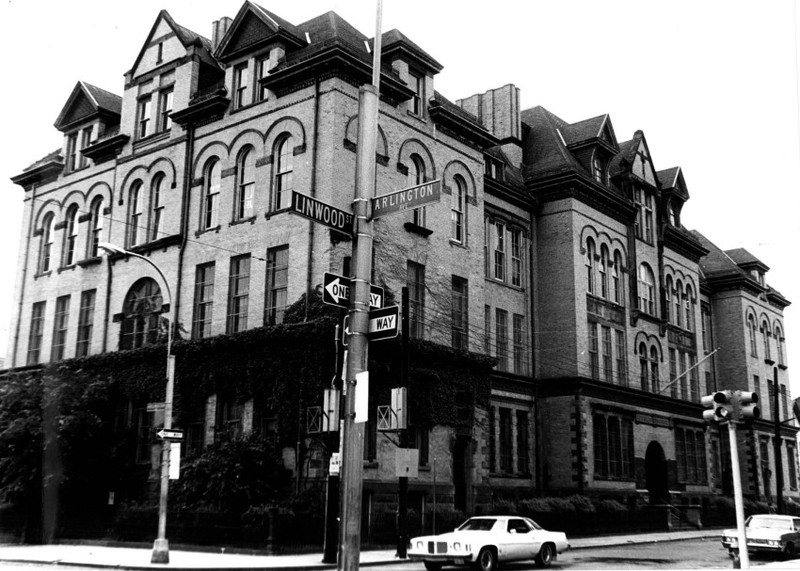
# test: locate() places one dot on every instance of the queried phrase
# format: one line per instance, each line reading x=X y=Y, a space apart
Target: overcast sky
x=713 y=85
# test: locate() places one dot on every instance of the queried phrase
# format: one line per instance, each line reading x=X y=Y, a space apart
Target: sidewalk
x=135 y=558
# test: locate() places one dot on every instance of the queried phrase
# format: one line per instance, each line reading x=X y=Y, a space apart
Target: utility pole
x=353 y=432
x=402 y=492
x=776 y=415
x=744 y=556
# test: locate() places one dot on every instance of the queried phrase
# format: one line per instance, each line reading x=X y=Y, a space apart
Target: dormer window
x=644 y=215
x=262 y=67
x=72 y=151
x=599 y=169
x=144 y=118
x=493 y=168
x=417 y=82
x=164 y=109
x=240 y=86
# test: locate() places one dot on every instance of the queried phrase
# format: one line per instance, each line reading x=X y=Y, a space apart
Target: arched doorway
x=655 y=466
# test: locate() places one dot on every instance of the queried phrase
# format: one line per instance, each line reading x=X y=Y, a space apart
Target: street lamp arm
x=113 y=249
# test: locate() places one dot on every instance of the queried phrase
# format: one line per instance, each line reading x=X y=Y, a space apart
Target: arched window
x=457 y=209
x=779 y=343
x=156 y=206
x=590 y=255
x=95 y=228
x=643 y=366
x=213 y=180
x=284 y=170
x=668 y=299
x=70 y=236
x=765 y=337
x=654 y=377
x=616 y=278
x=646 y=290
x=751 y=327
x=677 y=293
x=416 y=175
x=140 y=315
x=245 y=184
x=46 y=245
x=135 y=206
x=688 y=305
x=603 y=272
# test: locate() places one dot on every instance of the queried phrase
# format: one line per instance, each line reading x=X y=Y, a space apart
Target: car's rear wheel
x=487 y=559
x=788 y=551
x=433 y=565
x=546 y=555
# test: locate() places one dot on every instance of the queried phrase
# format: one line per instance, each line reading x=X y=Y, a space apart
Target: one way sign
x=336 y=291
x=383 y=323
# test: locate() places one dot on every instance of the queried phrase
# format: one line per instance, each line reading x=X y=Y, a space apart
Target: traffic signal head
x=720 y=406
x=746 y=407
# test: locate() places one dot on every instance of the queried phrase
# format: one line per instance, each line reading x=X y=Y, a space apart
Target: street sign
x=383 y=323
x=336 y=291
x=335 y=464
x=322 y=213
x=165 y=434
x=412 y=197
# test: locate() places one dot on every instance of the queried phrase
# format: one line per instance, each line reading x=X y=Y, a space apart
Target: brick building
x=555 y=249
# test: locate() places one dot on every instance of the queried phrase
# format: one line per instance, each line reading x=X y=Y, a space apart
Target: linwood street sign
x=322 y=212
x=336 y=291
x=412 y=197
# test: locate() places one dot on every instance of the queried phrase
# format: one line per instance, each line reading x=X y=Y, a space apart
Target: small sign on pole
x=174 y=460
x=335 y=464
x=362 y=397
x=407 y=462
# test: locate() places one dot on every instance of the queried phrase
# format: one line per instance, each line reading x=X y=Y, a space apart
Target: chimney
x=218 y=31
x=498 y=110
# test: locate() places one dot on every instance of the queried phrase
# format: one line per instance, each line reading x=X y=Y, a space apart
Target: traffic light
x=746 y=407
x=720 y=406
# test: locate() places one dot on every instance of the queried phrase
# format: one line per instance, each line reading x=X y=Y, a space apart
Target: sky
x=713 y=85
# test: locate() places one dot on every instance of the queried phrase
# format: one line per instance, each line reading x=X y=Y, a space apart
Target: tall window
x=643 y=367
x=608 y=368
x=648 y=218
x=263 y=71
x=417 y=82
x=72 y=152
x=668 y=299
x=751 y=327
x=144 y=118
x=246 y=183
x=501 y=336
x=277 y=284
x=654 y=377
x=518 y=338
x=646 y=290
x=499 y=250
x=638 y=199
x=95 y=227
x=140 y=315
x=211 y=185
x=790 y=457
x=203 y=300
x=779 y=343
x=613 y=446
x=688 y=306
x=35 y=333
x=46 y=244
x=523 y=442
x=487 y=330
x=594 y=350
x=135 y=207
x=415 y=281
x=515 y=235
x=156 y=206
x=86 y=139
x=60 y=327
x=416 y=175
x=164 y=109
x=506 y=441
x=604 y=272
x=677 y=300
x=70 y=236
x=673 y=372
x=238 y=294
x=457 y=209
x=765 y=339
x=85 y=323
x=283 y=172
x=599 y=169
x=616 y=278
x=694 y=379
x=459 y=314
x=690 y=451
x=622 y=373
x=240 y=80
x=590 y=256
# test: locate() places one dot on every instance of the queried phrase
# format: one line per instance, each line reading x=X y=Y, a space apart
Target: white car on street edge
x=488 y=541
x=767 y=533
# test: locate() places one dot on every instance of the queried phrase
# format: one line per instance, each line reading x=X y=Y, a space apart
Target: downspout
x=109 y=277
x=532 y=300
x=311 y=224
x=20 y=304
x=187 y=185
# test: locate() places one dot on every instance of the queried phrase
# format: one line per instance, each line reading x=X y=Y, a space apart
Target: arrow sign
x=383 y=323
x=166 y=434
x=412 y=197
x=322 y=213
x=336 y=291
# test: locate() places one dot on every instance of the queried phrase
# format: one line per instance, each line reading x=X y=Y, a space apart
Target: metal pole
x=744 y=557
x=777 y=444
x=402 y=501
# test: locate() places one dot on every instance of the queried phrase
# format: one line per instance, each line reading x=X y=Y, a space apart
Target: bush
x=611 y=507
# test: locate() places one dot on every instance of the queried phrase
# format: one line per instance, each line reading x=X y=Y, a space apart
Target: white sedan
x=487 y=541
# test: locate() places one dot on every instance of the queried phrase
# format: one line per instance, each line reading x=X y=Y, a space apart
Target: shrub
x=611 y=507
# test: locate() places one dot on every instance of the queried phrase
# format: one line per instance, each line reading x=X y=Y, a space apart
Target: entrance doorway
x=655 y=466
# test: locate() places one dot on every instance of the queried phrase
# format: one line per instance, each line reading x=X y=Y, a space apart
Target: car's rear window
x=477 y=525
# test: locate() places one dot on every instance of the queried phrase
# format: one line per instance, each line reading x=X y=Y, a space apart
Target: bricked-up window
x=792 y=462
x=506 y=441
x=203 y=300
x=501 y=337
x=140 y=315
x=523 y=442
x=690 y=452
x=518 y=339
x=415 y=281
x=211 y=186
x=416 y=176
x=647 y=299
x=164 y=109
x=492 y=444
x=240 y=84
x=156 y=206
x=245 y=184
x=589 y=261
x=613 y=446
x=277 y=285
x=143 y=118
x=751 y=327
x=459 y=313
x=46 y=244
x=36 y=332
x=457 y=209
x=284 y=172
x=135 y=210
x=238 y=294
x=60 y=328
x=95 y=228
x=70 y=236
x=85 y=323
x=622 y=368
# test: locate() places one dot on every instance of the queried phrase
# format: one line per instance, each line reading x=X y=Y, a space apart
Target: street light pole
x=161 y=545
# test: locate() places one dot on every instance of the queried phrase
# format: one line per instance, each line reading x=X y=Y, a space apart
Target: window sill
x=769 y=362
x=149 y=139
x=457 y=244
x=214 y=229
x=269 y=214
x=68 y=268
x=89 y=261
x=42 y=274
x=371 y=464
x=417 y=229
x=782 y=367
x=503 y=283
x=250 y=219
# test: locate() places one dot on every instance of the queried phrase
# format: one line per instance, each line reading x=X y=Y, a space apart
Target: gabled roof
x=672 y=181
x=395 y=41
x=254 y=26
x=590 y=130
x=186 y=37
x=546 y=150
x=86 y=102
x=634 y=157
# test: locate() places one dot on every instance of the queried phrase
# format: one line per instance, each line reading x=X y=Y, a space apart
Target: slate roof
x=547 y=148
x=583 y=130
x=744 y=258
x=280 y=22
x=669 y=177
x=54 y=156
